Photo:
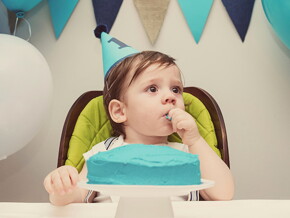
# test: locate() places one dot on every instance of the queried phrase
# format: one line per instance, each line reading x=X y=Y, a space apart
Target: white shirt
x=120 y=142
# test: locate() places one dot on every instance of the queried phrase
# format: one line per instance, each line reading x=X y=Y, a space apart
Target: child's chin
x=167 y=132
x=163 y=131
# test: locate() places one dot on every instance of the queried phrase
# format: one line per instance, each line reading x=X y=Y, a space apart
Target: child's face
x=149 y=98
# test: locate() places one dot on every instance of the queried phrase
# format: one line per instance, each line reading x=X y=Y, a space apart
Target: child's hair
x=115 y=82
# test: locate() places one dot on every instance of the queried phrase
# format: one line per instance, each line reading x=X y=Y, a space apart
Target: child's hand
x=185 y=126
x=61 y=181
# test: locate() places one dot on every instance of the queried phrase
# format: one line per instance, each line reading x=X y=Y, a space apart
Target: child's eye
x=176 y=90
x=152 y=89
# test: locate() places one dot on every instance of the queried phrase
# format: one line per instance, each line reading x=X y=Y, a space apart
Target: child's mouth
x=168 y=117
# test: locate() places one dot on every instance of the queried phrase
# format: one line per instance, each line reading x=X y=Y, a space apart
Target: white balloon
x=25 y=93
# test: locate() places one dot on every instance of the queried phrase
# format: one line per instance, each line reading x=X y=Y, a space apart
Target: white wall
x=250 y=81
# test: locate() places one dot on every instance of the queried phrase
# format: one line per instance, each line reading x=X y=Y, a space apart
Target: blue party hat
x=113 y=50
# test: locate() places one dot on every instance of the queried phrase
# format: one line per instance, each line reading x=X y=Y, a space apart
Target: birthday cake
x=138 y=164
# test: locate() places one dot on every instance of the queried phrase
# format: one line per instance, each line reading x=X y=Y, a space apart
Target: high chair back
x=86 y=124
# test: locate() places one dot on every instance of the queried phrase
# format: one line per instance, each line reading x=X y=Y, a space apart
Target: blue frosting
x=138 y=164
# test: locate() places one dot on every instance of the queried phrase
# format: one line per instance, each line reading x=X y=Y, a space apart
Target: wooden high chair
x=72 y=146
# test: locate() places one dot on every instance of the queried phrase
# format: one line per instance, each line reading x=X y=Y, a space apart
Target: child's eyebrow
x=178 y=82
x=150 y=81
x=156 y=80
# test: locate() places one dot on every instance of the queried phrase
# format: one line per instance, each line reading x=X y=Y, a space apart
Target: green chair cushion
x=93 y=127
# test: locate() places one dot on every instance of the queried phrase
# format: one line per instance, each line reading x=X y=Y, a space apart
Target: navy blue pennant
x=106 y=12
x=240 y=12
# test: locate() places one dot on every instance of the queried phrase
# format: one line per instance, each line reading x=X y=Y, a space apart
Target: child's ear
x=117 y=111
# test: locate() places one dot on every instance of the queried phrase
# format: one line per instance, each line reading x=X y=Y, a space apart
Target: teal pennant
x=196 y=13
x=60 y=11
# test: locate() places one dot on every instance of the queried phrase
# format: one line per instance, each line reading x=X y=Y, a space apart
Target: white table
x=216 y=209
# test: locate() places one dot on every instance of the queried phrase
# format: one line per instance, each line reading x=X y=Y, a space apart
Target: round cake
x=138 y=164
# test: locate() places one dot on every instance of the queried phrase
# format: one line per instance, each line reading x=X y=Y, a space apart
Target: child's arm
x=211 y=165
x=61 y=184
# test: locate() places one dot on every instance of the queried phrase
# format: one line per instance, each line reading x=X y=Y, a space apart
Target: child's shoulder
x=105 y=145
x=95 y=149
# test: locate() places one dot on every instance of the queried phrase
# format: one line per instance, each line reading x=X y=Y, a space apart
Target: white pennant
x=152 y=13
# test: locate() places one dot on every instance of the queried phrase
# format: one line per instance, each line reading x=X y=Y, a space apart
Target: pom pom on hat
x=99 y=29
x=113 y=50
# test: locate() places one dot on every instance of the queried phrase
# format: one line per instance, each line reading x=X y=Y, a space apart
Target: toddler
x=143 y=100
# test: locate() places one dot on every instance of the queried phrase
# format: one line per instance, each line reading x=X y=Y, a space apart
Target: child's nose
x=169 y=99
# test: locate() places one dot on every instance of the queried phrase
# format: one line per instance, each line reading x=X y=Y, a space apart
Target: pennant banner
x=20 y=5
x=278 y=14
x=60 y=12
x=4 y=23
x=106 y=12
x=196 y=13
x=152 y=13
x=240 y=12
